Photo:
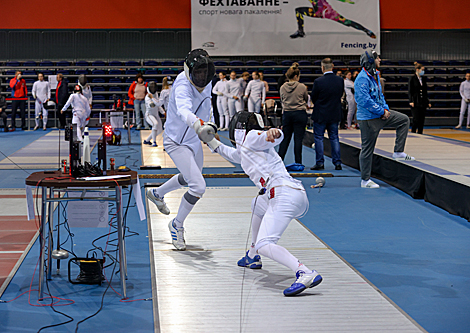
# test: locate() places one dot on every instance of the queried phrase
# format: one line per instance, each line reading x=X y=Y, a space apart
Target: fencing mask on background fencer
x=77 y=89
x=368 y=61
x=152 y=87
x=82 y=80
x=199 y=68
x=245 y=121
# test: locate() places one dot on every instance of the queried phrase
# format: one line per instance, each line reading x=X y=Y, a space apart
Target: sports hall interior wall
x=141 y=45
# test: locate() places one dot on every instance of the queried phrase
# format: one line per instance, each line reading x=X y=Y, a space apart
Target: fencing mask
x=199 y=68
x=77 y=89
x=368 y=61
x=82 y=80
x=245 y=121
x=152 y=87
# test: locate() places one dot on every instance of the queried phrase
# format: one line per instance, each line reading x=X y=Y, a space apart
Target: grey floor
x=203 y=290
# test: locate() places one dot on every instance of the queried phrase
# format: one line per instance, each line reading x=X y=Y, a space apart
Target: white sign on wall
x=290 y=27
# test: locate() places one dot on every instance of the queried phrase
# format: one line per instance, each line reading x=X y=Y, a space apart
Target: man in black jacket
x=61 y=97
x=326 y=97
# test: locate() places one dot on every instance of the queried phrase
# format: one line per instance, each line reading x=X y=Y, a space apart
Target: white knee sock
x=227 y=120
x=221 y=120
x=149 y=137
x=37 y=121
x=255 y=223
x=170 y=185
x=154 y=135
x=183 y=212
x=44 y=121
x=282 y=256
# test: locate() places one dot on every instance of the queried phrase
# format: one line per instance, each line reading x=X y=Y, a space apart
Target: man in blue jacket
x=373 y=114
x=326 y=97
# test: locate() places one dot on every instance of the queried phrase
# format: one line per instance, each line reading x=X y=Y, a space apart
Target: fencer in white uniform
x=465 y=105
x=349 y=90
x=152 y=114
x=41 y=93
x=281 y=197
x=166 y=90
x=220 y=89
x=80 y=110
x=86 y=90
x=188 y=108
x=234 y=94
x=256 y=93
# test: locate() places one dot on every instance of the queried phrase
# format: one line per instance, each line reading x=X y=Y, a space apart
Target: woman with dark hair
x=294 y=98
x=418 y=98
x=137 y=93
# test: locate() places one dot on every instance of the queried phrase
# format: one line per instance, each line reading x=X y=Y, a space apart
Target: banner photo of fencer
x=290 y=27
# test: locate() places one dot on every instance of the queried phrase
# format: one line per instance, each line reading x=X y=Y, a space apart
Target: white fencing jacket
x=185 y=106
x=165 y=97
x=155 y=110
x=220 y=87
x=80 y=105
x=41 y=91
x=259 y=159
x=256 y=90
x=234 y=88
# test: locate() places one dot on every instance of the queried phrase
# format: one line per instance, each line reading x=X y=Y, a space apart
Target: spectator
x=294 y=98
x=19 y=95
x=465 y=106
x=339 y=73
x=349 y=90
x=326 y=98
x=418 y=98
x=255 y=92
x=61 y=97
x=137 y=93
x=354 y=75
x=261 y=77
x=373 y=114
x=42 y=94
x=3 y=112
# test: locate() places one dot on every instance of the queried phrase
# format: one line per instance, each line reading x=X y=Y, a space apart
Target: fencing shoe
x=177 y=236
x=297 y=34
x=402 y=157
x=369 y=184
x=247 y=262
x=304 y=281
x=158 y=201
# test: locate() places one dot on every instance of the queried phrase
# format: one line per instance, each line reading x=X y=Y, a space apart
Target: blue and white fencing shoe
x=158 y=201
x=177 y=237
x=246 y=261
x=304 y=281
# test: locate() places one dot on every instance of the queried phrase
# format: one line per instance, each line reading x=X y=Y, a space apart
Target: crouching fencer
x=281 y=197
x=152 y=114
x=80 y=110
x=189 y=106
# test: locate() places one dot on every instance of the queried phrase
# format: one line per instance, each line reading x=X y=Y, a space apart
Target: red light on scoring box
x=107 y=130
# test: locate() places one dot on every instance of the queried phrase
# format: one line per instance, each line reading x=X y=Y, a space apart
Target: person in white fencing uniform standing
x=465 y=105
x=349 y=90
x=255 y=93
x=80 y=109
x=42 y=94
x=234 y=94
x=220 y=90
x=86 y=90
x=152 y=113
x=281 y=197
x=165 y=93
x=188 y=108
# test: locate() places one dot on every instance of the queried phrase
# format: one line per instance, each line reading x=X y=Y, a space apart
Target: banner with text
x=278 y=27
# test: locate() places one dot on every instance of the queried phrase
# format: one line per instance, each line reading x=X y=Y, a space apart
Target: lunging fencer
x=220 y=90
x=234 y=94
x=188 y=108
x=281 y=197
x=152 y=113
x=255 y=93
x=42 y=94
x=80 y=109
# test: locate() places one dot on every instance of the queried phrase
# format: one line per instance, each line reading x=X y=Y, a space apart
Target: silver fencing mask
x=82 y=80
x=152 y=87
x=200 y=68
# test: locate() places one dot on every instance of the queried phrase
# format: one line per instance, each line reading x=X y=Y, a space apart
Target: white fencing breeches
x=464 y=107
x=351 y=110
x=38 y=108
x=156 y=127
x=254 y=104
x=234 y=105
x=79 y=118
x=222 y=107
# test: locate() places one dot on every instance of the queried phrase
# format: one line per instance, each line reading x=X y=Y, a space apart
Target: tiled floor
x=152 y=156
x=203 y=290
